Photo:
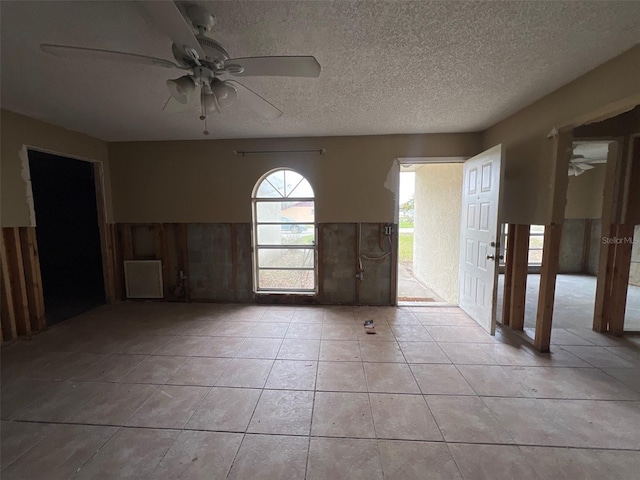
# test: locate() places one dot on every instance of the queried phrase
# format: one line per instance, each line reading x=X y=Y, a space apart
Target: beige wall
x=584 y=194
x=436 y=248
x=356 y=180
x=528 y=167
x=18 y=131
x=203 y=181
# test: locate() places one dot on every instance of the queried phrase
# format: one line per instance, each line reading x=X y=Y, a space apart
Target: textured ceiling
x=387 y=67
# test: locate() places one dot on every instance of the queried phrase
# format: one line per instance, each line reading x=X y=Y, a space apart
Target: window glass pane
x=266 y=190
x=278 y=181
x=286 y=279
x=300 y=189
x=285 y=221
x=285 y=212
x=289 y=258
x=537 y=229
x=286 y=234
x=292 y=179
x=535 y=257
x=535 y=242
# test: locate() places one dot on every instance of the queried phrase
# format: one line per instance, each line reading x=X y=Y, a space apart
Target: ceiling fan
x=578 y=164
x=208 y=65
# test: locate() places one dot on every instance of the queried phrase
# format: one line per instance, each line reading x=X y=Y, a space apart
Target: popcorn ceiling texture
x=388 y=67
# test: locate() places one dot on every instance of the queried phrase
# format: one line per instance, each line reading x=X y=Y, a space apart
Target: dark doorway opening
x=68 y=235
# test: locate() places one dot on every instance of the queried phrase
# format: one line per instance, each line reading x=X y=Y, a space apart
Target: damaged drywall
x=337 y=263
x=572 y=246
x=220 y=263
x=376 y=260
x=214 y=262
x=392 y=183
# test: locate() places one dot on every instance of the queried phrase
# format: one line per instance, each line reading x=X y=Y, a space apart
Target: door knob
x=493 y=257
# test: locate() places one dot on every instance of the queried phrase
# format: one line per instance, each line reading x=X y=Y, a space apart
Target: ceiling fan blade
x=583 y=166
x=255 y=102
x=274 y=66
x=109 y=55
x=168 y=19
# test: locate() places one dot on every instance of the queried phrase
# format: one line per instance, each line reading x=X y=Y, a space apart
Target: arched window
x=284 y=233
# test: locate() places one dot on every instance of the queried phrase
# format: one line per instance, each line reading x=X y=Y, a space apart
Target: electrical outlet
x=388 y=229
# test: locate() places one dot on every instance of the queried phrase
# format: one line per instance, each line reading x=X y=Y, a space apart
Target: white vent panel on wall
x=143 y=278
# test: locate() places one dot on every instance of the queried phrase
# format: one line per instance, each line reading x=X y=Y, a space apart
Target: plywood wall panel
x=338 y=259
x=243 y=262
x=375 y=252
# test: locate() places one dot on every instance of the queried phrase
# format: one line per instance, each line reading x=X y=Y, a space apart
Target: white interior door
x=480 y=236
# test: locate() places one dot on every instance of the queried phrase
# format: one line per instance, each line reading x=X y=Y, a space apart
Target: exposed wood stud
x=562 y=147
x=520 y=259
x=620 y=279
x=13 y=251
x=234 y=261
x=9 y=331
x=508 y=275
x=112 y=265
x=183 y=248
x=33 y=279
x=105 y=250
x=546 y=297
x=165 y=230
x=320 y=260
x=393 y=300
x=603 y=285
x=159 y=240
x=116 y=234
x=610 y=207
x=127 y=243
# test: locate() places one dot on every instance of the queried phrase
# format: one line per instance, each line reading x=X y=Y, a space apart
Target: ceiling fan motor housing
x=214 y=51
x=200 y=17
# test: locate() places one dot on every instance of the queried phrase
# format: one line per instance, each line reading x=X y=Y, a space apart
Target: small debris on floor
x=369 y=327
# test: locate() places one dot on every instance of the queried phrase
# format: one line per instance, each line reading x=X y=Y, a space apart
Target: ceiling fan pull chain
x=203 y=110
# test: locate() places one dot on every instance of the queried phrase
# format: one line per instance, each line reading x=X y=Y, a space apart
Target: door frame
x=397 y=169
x=562 y=136
x=106 y=230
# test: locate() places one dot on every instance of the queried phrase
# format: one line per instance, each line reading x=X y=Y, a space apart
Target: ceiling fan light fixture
x=225 y=94
x=182 y=88
x=210 y=104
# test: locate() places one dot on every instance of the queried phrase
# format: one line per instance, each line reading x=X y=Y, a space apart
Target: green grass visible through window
x=405 y=248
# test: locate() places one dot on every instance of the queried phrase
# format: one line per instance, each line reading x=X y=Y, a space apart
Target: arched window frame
x=256 y=199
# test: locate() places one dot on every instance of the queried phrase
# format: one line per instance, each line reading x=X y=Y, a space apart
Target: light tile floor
x=202 y=391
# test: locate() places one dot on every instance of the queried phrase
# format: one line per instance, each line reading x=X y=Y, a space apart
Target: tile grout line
x=313 y=406
x=453 y=442
x=588 y=365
